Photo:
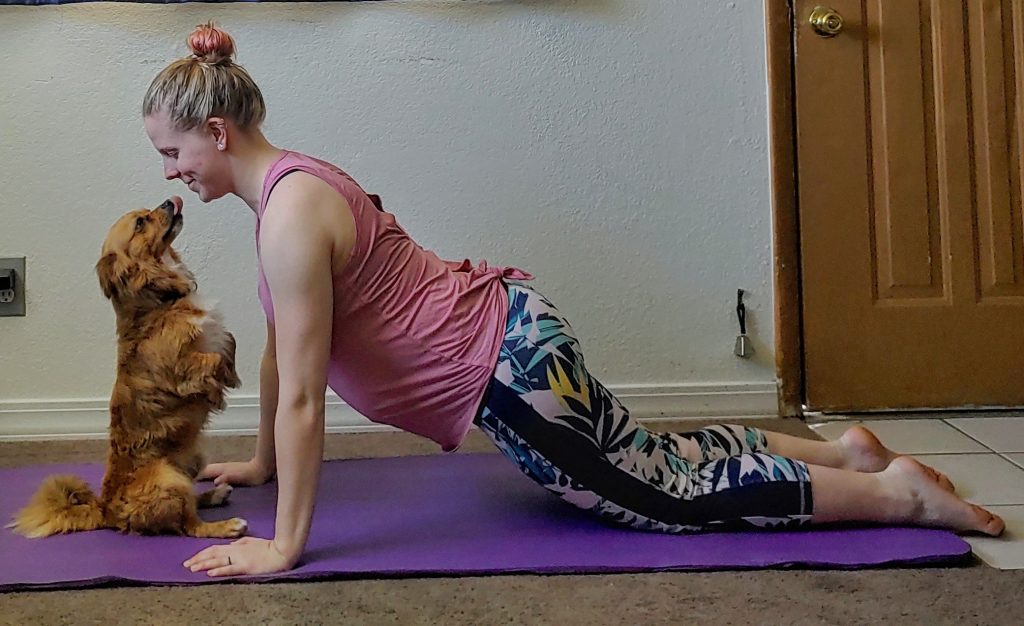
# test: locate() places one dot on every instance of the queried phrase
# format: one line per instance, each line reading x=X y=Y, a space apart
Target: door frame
x=789 y=357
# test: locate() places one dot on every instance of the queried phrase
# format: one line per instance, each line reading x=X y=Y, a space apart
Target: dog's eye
x=139 y=223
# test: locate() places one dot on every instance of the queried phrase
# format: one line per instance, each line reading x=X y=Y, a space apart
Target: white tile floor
x=983 y=456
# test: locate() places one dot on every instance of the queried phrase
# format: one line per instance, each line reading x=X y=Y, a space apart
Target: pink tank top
x=415 y=338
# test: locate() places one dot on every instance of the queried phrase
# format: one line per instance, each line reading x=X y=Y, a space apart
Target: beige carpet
x=974 y=594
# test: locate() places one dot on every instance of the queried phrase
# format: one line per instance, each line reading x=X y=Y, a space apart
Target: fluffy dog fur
x=174 y=362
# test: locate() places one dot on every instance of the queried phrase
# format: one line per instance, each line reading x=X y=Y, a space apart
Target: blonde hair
x=206 y=84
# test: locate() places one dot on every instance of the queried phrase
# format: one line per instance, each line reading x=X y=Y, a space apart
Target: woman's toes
x=990 y=523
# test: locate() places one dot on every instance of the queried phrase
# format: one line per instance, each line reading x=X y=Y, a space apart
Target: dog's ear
x=157 y=280
x=110 y=271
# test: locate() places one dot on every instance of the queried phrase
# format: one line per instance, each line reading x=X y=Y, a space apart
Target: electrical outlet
x=6 y=286
x=12 y=301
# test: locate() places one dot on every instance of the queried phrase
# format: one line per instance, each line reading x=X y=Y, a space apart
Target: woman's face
x=196 y=156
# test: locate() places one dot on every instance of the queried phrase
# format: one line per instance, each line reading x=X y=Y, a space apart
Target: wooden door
x=909 y=142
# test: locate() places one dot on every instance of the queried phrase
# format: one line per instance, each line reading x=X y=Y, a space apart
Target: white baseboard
x=88 y=418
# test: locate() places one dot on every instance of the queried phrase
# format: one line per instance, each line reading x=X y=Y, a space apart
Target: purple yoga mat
x=460 y=514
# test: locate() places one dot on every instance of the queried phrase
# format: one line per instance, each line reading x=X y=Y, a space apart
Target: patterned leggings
x=567 y=432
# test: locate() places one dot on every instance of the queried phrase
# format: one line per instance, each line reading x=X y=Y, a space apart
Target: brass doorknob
x=826 y=22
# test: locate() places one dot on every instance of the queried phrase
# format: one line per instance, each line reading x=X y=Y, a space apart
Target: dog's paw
x=220 y=495
x=238 y=526
x=214 y=497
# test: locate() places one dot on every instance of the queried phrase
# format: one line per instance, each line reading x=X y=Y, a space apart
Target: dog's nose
x=172 y=205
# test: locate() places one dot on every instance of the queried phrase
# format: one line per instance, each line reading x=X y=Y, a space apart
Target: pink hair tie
x=211 y=44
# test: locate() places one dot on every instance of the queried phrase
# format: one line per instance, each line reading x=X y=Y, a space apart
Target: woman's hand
x=247 y=473
x=247 y=555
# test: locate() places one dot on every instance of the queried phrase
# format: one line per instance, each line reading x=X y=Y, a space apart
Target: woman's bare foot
x=931 y=505
x=863 y=452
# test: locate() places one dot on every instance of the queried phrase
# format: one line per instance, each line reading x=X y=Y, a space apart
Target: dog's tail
x=62 y=504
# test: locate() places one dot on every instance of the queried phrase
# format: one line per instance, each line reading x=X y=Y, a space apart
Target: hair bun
x=211 y=44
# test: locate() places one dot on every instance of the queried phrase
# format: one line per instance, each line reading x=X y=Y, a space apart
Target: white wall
x=615 y=148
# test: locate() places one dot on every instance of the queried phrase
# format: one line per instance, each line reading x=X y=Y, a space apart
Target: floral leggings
x=567 y=432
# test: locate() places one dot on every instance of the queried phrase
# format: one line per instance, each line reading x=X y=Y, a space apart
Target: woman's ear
x=218 y=130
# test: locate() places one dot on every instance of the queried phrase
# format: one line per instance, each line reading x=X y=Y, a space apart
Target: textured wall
x=615 y=148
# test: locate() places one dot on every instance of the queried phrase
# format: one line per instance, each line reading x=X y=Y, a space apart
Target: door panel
x=909 y=188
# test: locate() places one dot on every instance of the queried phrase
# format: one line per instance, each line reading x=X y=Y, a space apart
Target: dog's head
x=138 y=268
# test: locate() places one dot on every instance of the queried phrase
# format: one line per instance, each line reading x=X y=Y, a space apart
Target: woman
x=432 y=347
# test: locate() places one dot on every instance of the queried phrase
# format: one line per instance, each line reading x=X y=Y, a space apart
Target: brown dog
x=174 y=362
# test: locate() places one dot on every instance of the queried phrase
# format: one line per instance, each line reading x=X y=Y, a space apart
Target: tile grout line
x=989 y=559
x=967 y=434
x=1006 y=455
x=987 y=451
x=976 y=452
